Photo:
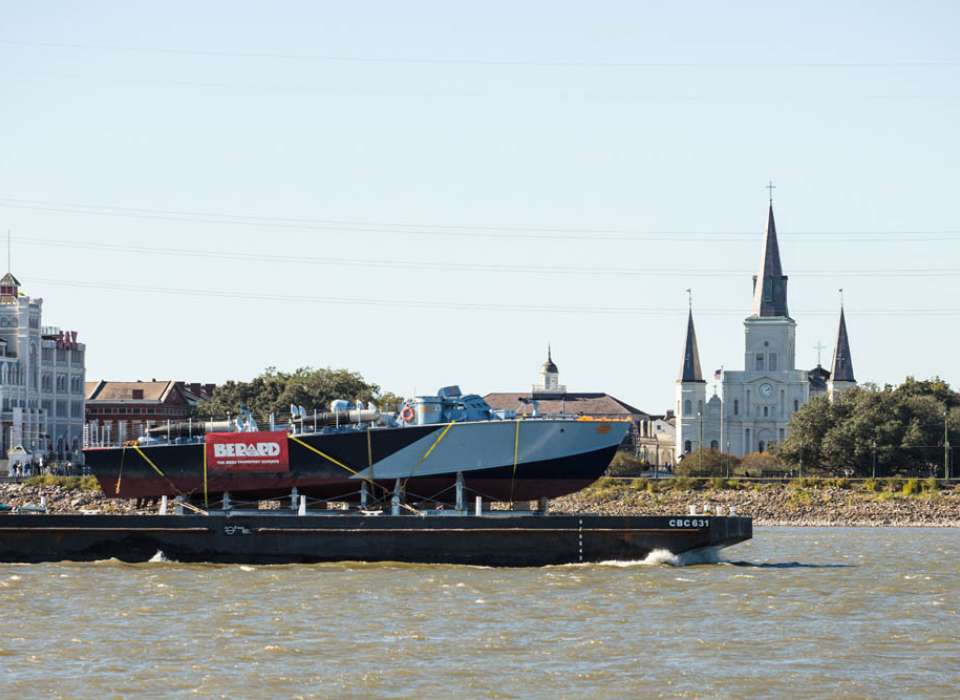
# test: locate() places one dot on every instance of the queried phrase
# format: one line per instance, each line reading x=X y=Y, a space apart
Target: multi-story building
x=117 y=411
x=41 y=381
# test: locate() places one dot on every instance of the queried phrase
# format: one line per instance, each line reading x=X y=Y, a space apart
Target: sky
x=429 y=193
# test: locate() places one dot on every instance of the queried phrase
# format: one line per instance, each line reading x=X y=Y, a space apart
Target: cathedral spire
x=770 y=286
x=842 y=369
x=690 y=369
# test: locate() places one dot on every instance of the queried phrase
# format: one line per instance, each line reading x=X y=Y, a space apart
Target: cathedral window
x=736 y=407
x=781 y=434
x=687 y=407
x=759 y=360
x=796 y=404
x=766 y=411
x=688 y=447
x=760 y=446
x=714 y=445
x=773 y=361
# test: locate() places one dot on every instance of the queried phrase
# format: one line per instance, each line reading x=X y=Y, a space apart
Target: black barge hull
x=281 y=539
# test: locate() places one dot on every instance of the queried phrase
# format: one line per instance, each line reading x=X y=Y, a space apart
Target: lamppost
x=656 y=456
x=700 y=451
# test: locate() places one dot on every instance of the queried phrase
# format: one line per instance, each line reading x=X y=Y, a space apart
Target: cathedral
x=758 y=401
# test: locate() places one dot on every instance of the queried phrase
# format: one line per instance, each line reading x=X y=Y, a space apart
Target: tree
x=896 y=426
x=274 y=391
x=759 y=464
x=706 y=463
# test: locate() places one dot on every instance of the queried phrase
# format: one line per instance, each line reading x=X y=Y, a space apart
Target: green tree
x=898 y=426
x=273 y=392
x=707 y=463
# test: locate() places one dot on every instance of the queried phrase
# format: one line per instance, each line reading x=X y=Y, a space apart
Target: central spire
x=770 y=286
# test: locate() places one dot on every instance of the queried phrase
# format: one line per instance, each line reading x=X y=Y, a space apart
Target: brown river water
x=794 y=613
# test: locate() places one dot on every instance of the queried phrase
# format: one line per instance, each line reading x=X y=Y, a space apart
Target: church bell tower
x=691 y=395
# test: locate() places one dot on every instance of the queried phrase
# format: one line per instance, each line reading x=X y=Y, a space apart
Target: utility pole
x=946 y=446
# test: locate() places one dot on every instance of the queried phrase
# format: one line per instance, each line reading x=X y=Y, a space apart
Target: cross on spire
x=689 y=298
x=770 y=187
x=841 y=297
x=819 y=347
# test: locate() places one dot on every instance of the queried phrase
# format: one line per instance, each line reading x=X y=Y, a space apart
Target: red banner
x=247 y=452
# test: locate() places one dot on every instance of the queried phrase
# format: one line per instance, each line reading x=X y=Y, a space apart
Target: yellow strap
x=435 y=443
x=427 y=453
x=123 y=455
x=147 y=460
x=322 y=454
x=516 y=453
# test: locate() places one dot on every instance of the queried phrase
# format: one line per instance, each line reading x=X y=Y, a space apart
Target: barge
x=265 y=537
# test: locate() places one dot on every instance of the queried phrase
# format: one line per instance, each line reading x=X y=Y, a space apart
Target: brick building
x=117 y=411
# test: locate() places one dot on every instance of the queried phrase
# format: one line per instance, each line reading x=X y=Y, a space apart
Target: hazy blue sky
x=428 y=193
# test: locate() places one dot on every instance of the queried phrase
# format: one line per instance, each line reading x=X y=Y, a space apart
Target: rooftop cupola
x=549 y=365
x=9 y=289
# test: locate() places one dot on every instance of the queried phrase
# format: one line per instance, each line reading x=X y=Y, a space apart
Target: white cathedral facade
x=757 y=402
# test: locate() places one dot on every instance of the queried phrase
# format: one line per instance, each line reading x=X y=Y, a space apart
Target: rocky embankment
x=897 y=503
x=810 y=503
x=65 y=496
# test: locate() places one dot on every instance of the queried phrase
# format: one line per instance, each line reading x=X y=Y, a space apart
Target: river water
x=793 y=613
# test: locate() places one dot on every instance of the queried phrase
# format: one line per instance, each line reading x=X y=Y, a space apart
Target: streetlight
x=700 y=451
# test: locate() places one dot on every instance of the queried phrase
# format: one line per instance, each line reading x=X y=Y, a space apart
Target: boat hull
x=499 y=460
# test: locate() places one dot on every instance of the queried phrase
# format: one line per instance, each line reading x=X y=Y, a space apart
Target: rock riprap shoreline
x=804 y=502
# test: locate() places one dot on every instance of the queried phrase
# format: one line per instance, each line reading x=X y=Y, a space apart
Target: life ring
x=407 y=414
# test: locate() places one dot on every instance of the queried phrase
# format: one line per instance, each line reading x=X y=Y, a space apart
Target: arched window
x=796 y=405
x=760 y=446
x=736 y=407
x=766 y=411
x=714 y=445
x=688 y=447
x=687 y=407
